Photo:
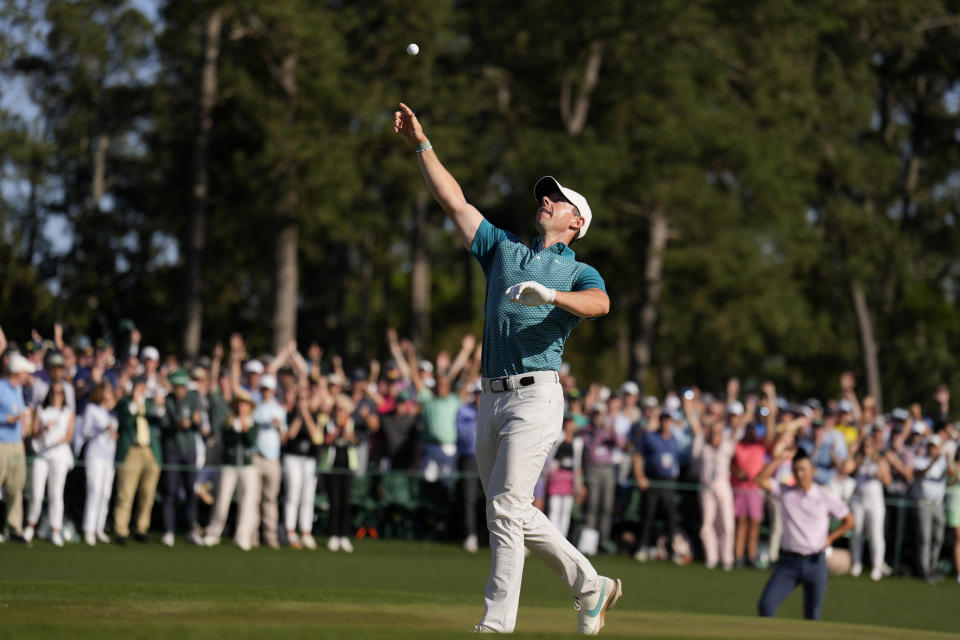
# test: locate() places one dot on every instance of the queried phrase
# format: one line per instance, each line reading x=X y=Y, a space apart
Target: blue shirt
x=660 y=456
x=467 y=431
x=268 y=437
x=824 y=470
x=11 y=403
x=518 y=338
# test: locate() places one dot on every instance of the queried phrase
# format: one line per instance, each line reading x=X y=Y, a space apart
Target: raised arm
x=763 y=478
x=442 y=185
x=397 y=353
x=410 y=352
x=466 y=348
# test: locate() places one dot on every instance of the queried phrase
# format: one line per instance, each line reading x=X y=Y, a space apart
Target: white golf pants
x=245 y=481
x=300 y=478
x=515 y=431
x=869 y=515
x=47 y=477
x=99 y=488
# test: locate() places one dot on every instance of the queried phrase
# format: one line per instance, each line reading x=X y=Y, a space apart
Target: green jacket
x=127 y=428
x=238 y=446
x=176 y=439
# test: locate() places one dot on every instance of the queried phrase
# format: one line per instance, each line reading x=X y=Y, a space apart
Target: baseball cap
x=735 y=408
x=900 y=414
x=548 y=184
x=845 y=406
x=426 y=365
x=150 y=353
x=651 y=402
x=267 y=381
x=19 y=364
x=54 y=359
x=935 y=440
x=253 y=366
x=179 y=378
x=629 y=388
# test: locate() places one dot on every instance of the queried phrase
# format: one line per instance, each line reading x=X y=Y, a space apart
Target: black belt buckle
x=526 y=381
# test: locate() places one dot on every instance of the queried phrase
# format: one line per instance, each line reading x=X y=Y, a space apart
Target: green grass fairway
x=411 y=590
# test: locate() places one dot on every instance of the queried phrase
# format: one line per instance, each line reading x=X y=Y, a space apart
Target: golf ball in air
x=413 y=49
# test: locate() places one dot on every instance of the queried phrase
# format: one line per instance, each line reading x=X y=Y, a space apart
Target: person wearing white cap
x=15 y=422
x=535 y=296
x=271 y=423
x=930 y=471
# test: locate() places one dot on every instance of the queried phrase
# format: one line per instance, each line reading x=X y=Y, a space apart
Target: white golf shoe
x=307 y=541
x=167 y=540
x=345 y=544
x=28 y=533
x=593 y=609
x=333 y=544
x=57 y=539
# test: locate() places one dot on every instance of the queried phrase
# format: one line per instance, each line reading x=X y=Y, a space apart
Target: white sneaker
x=345 y=544
x=887 y=570
x=102 y=537
x=57 y=539
x=28 y=533
x=211 y=540
x=293 y=540
x=244 y=546
x=856 y=569
x=167 y=539
x=593 y=610
x=90 y=538
x=641 y=555
x=194 y=538
x=307 y=541
x=333 y=544
x=470 y=544
x=876 y=573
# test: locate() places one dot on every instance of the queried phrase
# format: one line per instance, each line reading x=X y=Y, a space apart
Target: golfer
x=535 y=296
x=807 y=508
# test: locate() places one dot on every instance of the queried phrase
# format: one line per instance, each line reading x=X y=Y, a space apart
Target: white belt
x=508 y=383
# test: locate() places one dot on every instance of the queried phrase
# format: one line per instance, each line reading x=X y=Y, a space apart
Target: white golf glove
x=531 y=294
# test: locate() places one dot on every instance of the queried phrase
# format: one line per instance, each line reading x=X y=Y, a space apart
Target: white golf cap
x=267 y=381
x=548 y=184
x=735 y=408
x=253 y=366
x=629 y=388
x=150 y=353
x=19 y=364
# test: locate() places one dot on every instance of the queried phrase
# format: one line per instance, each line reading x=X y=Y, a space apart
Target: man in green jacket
x=182 y=422
x=138 y=454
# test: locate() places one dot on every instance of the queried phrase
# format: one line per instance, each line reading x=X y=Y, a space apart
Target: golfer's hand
x=531 y=294
x=406 y=124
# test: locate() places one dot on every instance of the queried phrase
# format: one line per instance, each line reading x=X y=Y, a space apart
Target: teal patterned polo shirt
x=518 y=338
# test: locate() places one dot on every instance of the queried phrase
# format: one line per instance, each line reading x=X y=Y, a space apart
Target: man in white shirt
x=930 y=473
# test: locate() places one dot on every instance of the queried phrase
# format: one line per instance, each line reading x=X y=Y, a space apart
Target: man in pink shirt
x=807 y=508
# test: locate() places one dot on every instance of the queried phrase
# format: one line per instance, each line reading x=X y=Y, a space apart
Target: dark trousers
x=793 y=569
x=656 y=497
x=339 y=486
x=183 y=471
x=471 y=494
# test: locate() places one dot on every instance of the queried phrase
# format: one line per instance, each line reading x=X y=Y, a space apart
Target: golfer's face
x=555 y=213
x=803 y=470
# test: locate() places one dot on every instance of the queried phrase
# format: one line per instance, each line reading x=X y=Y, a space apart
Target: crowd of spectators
x=269 y=434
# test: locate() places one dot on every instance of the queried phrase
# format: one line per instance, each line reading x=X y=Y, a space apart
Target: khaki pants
x=270 y=475
x=137 y=476
x=246 y=482
x=13 y=475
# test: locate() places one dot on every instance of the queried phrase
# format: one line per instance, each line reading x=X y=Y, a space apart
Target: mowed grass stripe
x=428 y=588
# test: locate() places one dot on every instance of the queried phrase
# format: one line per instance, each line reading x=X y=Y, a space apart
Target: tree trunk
x=868 y=342
x=98 y=181
x=653 y=285
x=288 y=237
x=574 y=112
x=195 y=242
x=287 y=286
x=420 y=278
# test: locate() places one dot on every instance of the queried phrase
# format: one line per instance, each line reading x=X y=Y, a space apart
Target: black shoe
x=121 y=541
x=141 y=538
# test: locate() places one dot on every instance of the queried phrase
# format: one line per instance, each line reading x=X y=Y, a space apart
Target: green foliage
x=794 y=148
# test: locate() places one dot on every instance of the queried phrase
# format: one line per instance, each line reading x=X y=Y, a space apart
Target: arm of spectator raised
x=410 y=352
x=466 y=348
x=763 y=478
x=397 y=353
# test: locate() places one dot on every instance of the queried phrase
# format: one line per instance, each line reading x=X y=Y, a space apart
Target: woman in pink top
x=713 y=449
x=749 y=457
